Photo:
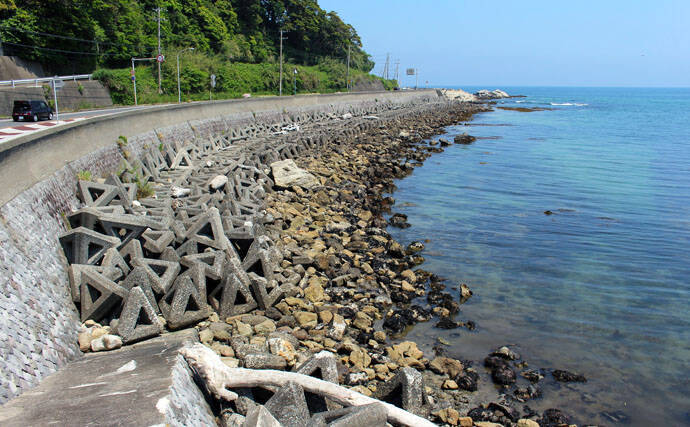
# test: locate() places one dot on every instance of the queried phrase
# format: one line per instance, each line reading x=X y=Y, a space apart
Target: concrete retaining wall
x=38 y=322
x=14 y=67
x=70 y=97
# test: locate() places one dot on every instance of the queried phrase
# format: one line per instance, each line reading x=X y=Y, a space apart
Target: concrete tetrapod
x=219 y=379
x=138 y=319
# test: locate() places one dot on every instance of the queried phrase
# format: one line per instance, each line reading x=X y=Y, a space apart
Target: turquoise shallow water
x=602 y=286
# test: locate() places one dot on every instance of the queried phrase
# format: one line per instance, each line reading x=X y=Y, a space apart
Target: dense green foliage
x=107 y=33
x=232 y=79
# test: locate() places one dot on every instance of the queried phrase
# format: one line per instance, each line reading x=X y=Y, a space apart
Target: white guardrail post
x=16 y=82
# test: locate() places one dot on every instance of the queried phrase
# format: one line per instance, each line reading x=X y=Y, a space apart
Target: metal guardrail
x=14 y=83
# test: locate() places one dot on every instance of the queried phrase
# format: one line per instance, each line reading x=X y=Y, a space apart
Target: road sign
x=410 y=72
x=160 y=58
x=213 y=81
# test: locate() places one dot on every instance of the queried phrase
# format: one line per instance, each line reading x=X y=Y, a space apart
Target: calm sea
x=600 y=287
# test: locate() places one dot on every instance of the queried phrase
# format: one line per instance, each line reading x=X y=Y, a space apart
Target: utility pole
x=280 y=85
x=385 y=69
x=347 y=78
x=134 y=82
x=397 y=63
x=158 y=11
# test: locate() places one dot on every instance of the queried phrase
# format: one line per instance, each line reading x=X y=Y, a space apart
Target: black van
x=31 y=111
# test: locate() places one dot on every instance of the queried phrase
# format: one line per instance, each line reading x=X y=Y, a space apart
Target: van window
x=22 y=106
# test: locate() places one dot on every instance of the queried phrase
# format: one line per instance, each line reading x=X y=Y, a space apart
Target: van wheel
x=35 y=117
x=50 y=116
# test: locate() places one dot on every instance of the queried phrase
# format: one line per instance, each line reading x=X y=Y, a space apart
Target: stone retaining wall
x=38 y=321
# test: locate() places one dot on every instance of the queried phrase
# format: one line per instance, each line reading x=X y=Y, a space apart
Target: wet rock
x=444 y=142
x=553 y=418
x=532 y=376
x=449 y=415
x=503 y=375
x=414 y=247
x=447 y=323
x=399 y=220
x=505 y=353
x=467 y=380
x=446 y=366
x=616 y=417
x=501 y=371
x=465 y=293
x=464 y=139
x=567 y=377
x=526 y=393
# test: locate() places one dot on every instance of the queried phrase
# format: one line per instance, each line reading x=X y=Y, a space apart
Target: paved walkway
x=134 y=385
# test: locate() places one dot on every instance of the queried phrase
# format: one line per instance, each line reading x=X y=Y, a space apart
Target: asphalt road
x=4 y=123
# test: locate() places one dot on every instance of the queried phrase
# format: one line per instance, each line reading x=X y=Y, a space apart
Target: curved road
x=8 y=123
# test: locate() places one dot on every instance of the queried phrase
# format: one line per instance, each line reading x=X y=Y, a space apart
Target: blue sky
x=528 y=42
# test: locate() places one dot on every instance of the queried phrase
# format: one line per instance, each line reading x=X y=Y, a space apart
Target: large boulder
x=493 y=94
x=286 y=174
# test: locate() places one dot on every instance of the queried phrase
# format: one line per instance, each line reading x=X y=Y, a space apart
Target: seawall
x=38 y=321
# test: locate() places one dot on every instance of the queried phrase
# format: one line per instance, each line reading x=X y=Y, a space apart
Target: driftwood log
x=219 y=378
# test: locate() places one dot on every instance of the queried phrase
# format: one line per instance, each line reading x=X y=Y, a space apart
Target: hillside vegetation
x=237 y=40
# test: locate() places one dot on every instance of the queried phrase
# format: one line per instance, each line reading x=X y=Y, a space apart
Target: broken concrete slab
x=146 y=384
x=286 y=174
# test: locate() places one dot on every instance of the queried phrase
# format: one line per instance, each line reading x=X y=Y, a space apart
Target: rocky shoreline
x=340 y=283
x=357 y=275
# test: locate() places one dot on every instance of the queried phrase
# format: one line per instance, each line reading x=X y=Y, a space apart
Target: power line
x=8 y=27
x=58 y=50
